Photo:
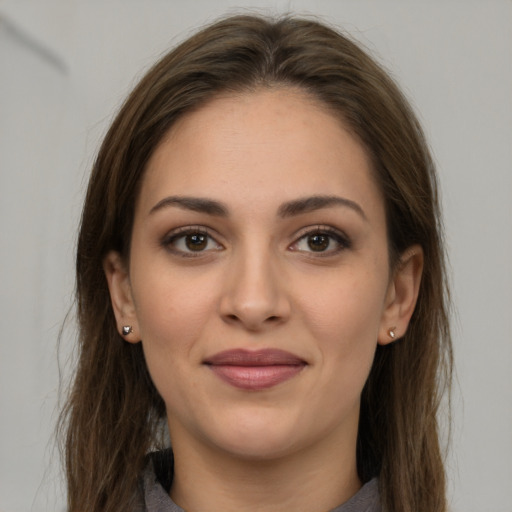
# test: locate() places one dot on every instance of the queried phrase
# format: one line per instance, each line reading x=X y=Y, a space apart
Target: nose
x=254 y=293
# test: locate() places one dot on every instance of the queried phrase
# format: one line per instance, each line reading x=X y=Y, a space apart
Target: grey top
x=156 y=493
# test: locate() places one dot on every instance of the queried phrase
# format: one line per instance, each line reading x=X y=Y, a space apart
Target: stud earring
x=392 y=333
x=127 y=329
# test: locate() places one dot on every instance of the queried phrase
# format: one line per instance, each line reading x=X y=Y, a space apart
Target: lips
x=255 y=370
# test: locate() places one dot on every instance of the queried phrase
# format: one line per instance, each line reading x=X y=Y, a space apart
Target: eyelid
x=340 y=237
x=181 y=232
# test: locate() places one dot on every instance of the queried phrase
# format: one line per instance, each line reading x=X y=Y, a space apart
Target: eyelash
x=170 y=241
x=339 y=238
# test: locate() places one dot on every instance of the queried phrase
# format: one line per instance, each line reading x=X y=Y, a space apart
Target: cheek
x=172 y=312
x=345 y=306
x=344 y=318
x=172 y=316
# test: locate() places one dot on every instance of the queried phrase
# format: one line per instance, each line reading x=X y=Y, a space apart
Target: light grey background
x=65 y=66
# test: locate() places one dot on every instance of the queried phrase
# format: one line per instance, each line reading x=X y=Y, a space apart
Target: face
x=259 y=279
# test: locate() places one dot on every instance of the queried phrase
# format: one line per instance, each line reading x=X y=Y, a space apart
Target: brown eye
x=318 y=242
x=324 y=241
x=190 y=242
x=196 y=241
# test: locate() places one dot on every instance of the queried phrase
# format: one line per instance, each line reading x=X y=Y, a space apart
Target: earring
x=391 y=332
x=127 y=329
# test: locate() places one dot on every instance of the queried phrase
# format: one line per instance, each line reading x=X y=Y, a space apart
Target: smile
x=255 y=370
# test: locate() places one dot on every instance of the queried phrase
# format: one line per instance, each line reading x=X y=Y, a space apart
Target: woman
x=260 y=271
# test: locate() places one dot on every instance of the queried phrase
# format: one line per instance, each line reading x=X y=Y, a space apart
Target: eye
x=325 y=241
x=191 y=242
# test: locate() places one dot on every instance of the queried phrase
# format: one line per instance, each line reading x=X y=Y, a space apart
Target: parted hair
x=113 y=415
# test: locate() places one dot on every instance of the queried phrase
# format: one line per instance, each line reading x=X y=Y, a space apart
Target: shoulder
x=157 y=477
x=367 y=499
x=155 y=484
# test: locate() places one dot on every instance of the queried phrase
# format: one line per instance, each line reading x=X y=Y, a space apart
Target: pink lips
x=255 y=370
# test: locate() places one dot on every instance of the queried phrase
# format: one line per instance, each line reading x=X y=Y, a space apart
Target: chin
x=258 y=447
x=259 y=438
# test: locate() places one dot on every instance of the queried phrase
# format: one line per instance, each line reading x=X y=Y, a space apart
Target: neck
x=320 y=477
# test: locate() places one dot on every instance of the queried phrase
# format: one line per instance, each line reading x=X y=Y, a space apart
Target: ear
x=402 y=295
x=121 y=296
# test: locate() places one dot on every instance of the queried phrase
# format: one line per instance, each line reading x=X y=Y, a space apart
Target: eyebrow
x=196 y=204
x=312 y=203
x=288 y=209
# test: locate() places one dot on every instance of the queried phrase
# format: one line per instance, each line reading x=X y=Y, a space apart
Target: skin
x=256 y=281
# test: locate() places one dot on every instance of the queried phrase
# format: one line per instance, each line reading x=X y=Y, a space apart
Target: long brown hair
x=114 y=415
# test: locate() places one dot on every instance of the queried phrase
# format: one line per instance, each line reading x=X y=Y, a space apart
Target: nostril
x=253 y=309
x=234 y=318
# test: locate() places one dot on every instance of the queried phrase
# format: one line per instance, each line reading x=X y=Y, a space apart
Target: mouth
x=255 y=370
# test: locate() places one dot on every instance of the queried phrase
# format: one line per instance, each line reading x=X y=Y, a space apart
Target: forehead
x=258 y=148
